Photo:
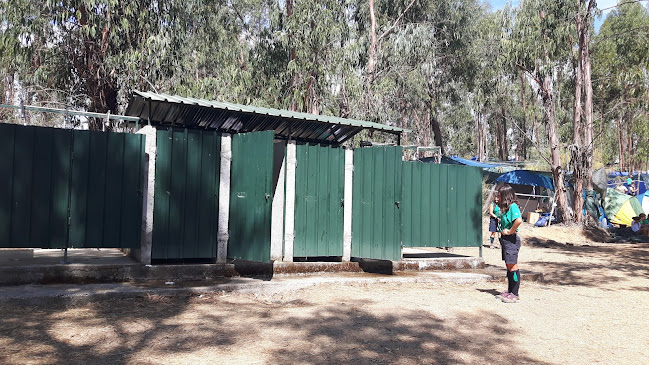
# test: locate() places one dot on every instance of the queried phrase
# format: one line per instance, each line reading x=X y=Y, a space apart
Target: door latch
x=267 y=197
x=397 y=204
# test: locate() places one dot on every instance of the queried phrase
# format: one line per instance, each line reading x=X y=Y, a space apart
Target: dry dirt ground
x=593 y=309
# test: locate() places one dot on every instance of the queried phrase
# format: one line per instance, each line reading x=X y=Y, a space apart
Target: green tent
x=621 y=208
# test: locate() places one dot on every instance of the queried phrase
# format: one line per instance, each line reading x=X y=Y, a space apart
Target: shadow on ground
x=215 y=329
x=592 y=265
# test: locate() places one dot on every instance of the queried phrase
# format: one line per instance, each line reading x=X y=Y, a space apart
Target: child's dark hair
x=507 y=197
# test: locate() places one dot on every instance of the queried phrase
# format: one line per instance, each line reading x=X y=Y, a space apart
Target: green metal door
x=64 y=188
x=319 y=193
x=251 y=196
x=185 y=212
x=441 y=205
x=376 y=217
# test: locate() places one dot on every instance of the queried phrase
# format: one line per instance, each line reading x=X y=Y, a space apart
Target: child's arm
x=512 y=230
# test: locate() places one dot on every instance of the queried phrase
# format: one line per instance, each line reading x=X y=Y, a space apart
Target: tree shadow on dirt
x=593 y=265
x=169 y=328
x=107 y=332
x=344 y=334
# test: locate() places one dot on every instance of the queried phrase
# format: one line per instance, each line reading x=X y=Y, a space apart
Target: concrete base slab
x=25 y=267
x=85 y=274
x=70 y=294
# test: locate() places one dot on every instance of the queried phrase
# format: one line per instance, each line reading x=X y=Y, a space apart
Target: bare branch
x=395 y=22
x=535 y=144
x=624 y=3
x=523 y=68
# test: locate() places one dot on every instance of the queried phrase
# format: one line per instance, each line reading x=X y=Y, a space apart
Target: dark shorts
x=493 y=224
x=510 y=245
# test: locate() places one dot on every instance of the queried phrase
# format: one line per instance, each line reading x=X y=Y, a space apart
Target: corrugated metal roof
x=236 y=118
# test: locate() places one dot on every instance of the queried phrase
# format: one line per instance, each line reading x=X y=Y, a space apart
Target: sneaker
x=502 y=294
x=509 y=298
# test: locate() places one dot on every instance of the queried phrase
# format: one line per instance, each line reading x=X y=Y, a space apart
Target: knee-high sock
x=516 y=278
x=510 y=281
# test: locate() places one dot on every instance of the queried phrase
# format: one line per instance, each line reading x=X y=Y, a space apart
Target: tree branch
x=535 y=144
x=624 y=3
x=523 y=68
x=395 y=22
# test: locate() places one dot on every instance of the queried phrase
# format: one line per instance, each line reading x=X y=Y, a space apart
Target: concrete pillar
x=143 y=255
x=347 y=212
x=224 y=199
x=289 y=223
x=277 y=218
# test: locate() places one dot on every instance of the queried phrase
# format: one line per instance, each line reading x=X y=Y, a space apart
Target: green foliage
x=621 y=74
x=439 y=63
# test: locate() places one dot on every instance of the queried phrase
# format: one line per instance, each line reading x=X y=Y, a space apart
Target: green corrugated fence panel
x=22 y=188
x=81 y=213
x=54 y=183
x=441 y=205
x=251 y=196
x=185 y=213
x=61 y=187
x=106 y=191
x=7 y=145
x=35 y=172
x=98 y=151
x=160 y=236
x=132 y=190
x=42 y=198
x=319 y=194
x=376 y=215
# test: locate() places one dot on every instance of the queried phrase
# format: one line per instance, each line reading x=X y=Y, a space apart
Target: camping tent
x=644 y=201
x=621 y=208
x=529 y=187
x=616 y=178
x=525 y=177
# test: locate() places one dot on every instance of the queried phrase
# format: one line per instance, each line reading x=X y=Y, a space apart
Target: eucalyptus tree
x=538 y=47
x=316 y=35
x=498 y=109
x=581 y=149
x=621 y=74
x=86 y=51
x=416 y=62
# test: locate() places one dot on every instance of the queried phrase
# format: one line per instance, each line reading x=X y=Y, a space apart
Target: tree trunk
x=289 y=12
x=555 y=157
x=481 y=137
x=620 y=144
x=503 y=149
x=577 y=150
x=371 y=58
x=523 y=138
x=434 y=125
x=588 y=109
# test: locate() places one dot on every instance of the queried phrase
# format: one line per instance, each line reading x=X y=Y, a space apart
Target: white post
x=148 y=195
x=224 y=199
x=347 y=213
x=277 y=219
x=289 y=223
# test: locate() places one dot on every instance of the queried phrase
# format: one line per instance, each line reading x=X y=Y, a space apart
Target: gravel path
x=593 y=310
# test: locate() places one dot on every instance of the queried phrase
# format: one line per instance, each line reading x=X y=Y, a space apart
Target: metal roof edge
x=281 y=113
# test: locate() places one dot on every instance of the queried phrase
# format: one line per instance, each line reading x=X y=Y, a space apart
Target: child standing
x=493 y=221
x=510 y=242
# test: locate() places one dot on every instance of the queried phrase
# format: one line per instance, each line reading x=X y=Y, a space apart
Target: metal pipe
x=69 y=112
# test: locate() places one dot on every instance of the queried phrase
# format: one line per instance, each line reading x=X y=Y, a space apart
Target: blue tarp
x=524 y=177
x=616 y=178
x=484 y=165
